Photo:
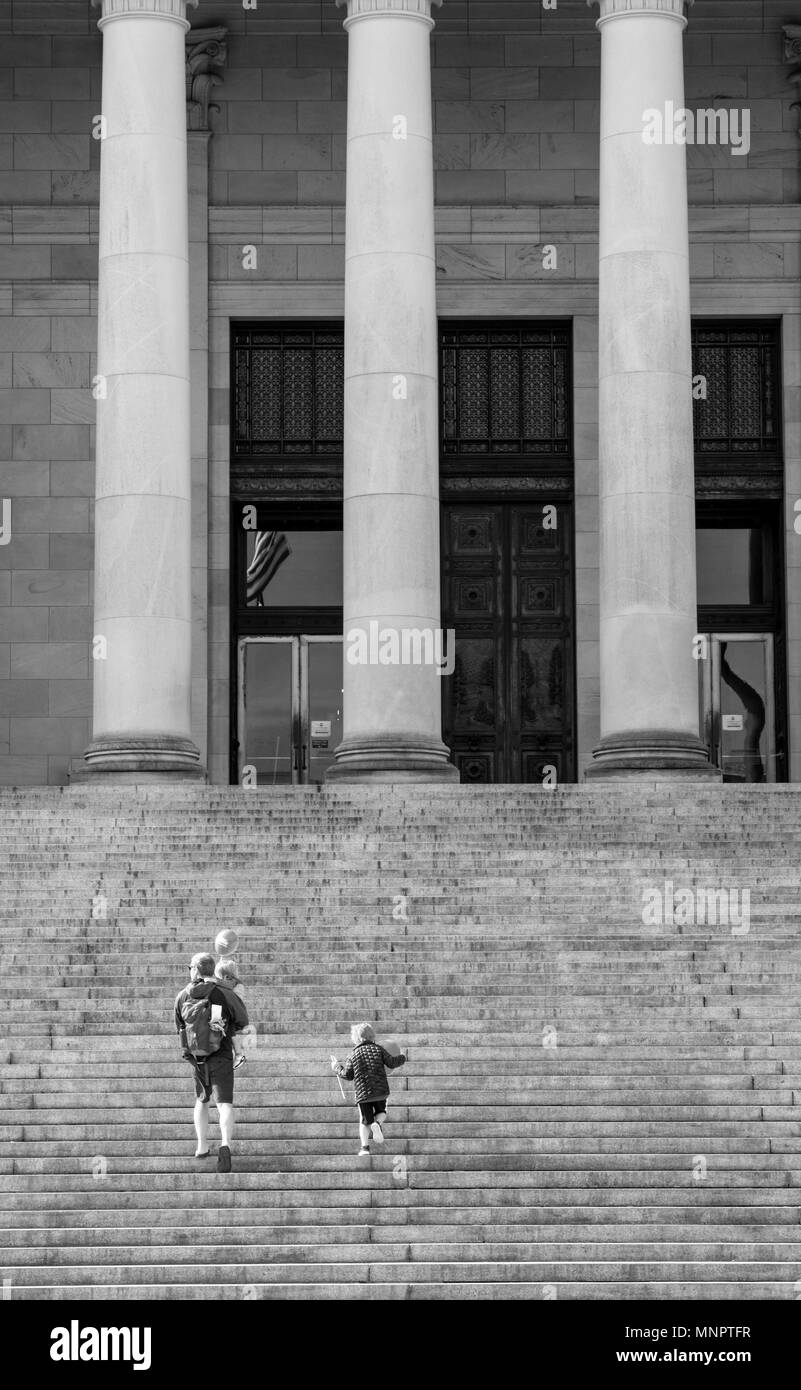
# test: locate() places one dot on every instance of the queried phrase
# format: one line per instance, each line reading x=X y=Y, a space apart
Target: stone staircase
x=593 y=1107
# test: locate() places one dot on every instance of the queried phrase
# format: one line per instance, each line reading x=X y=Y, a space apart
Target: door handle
x=303 y=763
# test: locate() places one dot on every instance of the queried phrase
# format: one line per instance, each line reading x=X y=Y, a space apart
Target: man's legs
x=225 y=1110
x=226 y=1113
x=202 y=1126
x=221 y=1073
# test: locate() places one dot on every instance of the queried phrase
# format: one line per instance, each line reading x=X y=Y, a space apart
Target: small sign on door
x=321 y=728
x=732 y=723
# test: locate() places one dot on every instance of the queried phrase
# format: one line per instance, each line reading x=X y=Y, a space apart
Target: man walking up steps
x=207 y=1014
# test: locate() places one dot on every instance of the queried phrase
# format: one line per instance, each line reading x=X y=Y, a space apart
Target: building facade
x=400 y=389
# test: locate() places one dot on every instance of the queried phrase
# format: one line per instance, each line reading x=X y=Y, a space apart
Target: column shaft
x=649 y=678
x=143 y=495
x=392 y=712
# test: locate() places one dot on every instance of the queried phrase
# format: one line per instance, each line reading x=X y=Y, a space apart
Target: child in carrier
x=225 y=972
x=366 y=1066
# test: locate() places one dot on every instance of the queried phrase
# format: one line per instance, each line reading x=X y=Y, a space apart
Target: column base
x=392 y=758
x=130 y=758
x=656 y=755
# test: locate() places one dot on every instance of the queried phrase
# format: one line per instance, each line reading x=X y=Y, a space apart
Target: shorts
x=214 y=1076
x=369 y=1109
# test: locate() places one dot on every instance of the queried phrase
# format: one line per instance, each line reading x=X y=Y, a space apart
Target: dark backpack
x=203 y=1034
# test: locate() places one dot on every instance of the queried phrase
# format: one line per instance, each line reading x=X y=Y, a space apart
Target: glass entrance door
x=737 y=705
x=290 y=708
x=321 y=704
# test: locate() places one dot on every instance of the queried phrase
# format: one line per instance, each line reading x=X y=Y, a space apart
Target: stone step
x=573 y=1285
x=515 y=1147
x=736 y=1020
x=782 y=1241
x=46 y=1046
x=570 y=1126
x=325 y=1154
x=74 y=1260
x=779 y=1272
x=319 y=1101
x=399 y=979
x=37 y=1127
x=586 y=1061
x=378 y=1172
x=459 y=1010
x=574 y=1204
x=713 y=981
x=246 y=1214
x=301 y=1089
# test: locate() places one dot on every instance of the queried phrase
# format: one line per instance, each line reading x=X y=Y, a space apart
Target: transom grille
x=288 y=391
x=505 y=391
x=740 y=414
x=502 y=392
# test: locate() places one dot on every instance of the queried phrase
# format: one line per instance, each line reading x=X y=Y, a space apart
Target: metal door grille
x=505 y=391
x=740 y=414
x=288 y=390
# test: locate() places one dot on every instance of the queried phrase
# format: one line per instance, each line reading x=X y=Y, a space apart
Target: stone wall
x=516 y=120
x=48 y=273
x=515 y=116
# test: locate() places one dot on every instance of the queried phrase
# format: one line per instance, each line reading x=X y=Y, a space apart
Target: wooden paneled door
x=509 y=707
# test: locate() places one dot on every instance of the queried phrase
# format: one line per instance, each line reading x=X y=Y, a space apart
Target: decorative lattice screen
x=740 y=414
x=505 y=391
x=288 y=391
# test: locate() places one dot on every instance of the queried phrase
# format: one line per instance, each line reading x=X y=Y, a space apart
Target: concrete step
x=234 y=1209
x=76 y=1258
x=326 y=1121
x=573 y=1285
x=329 y=1157
x=780 y=1273
x=549 y=1239
x=377 y=1176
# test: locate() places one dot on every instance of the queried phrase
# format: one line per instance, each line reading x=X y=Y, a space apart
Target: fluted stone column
x=392 y=713
x=649 y=678
x=143 y=498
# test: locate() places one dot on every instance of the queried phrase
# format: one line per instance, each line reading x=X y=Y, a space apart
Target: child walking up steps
x=245 y=1040
x=366 y=1067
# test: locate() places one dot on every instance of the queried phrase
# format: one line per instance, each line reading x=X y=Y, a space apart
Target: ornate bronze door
x=508 y=593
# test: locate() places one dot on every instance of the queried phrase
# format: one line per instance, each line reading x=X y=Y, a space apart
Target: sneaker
x=224 y=1159
x=364 y=1151
x=377 y=1132
x=240 y=1061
